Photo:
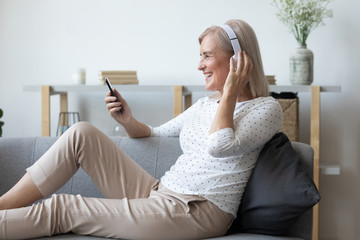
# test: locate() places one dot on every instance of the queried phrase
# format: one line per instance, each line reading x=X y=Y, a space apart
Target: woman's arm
x=136 y=129
x=254 y=124
x=172 y=128
x=224 y=115
x=133 y=128
x=234 y=87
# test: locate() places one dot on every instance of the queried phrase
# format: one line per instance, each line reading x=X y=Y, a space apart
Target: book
x=117 y=77
x=122 y=82
x=116 y=72
x=271 y=79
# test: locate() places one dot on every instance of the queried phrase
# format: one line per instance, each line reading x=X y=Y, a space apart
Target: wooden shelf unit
x=183 y=100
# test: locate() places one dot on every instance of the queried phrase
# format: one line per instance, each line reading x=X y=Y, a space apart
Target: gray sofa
x=156 y=156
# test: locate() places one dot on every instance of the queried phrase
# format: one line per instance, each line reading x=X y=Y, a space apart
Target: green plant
x=302 y=16
x=1 y=122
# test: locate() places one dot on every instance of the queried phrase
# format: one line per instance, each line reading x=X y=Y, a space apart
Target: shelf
x=275 y=88
x=302 y=88
x=330 y=169
x=56 y=89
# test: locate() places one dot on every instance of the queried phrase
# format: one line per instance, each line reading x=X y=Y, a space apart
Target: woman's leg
x=22 y=194
x=112 y=171
x=163 y=215
x=142 y=213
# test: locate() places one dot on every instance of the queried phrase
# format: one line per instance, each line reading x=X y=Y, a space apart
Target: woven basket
x=290 y=108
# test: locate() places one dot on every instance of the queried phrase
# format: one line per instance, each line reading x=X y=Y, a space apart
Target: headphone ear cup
x=235 y=60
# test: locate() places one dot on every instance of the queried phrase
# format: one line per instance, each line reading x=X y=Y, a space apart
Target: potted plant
x=302 y=17
x=1 y=122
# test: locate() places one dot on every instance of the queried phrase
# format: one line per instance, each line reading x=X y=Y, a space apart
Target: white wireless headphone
x=234 y=41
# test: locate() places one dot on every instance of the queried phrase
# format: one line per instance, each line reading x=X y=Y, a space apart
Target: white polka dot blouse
x=217 y=166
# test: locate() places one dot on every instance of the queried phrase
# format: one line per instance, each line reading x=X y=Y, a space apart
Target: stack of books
x=119 y=77
x=271 y=79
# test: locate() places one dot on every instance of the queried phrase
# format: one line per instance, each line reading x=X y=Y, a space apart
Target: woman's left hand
x=238 y=78
x=235 y=85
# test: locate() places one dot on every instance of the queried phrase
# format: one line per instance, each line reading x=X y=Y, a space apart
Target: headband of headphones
x=233 y=38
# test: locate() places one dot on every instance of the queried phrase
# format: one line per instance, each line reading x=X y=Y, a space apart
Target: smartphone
x=111 y=91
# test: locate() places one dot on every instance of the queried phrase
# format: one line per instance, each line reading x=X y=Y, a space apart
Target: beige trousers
x=136 y=205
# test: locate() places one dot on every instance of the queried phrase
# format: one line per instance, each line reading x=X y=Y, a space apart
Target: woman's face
x=214 y=64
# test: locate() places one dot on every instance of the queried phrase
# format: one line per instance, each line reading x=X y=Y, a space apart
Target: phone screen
x=111 y=91
x=109 y=86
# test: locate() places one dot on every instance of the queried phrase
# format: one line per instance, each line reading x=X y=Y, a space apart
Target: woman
x=221 y=137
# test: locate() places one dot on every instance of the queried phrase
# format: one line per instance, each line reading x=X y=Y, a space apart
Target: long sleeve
x=254 y=126
x=173 y=127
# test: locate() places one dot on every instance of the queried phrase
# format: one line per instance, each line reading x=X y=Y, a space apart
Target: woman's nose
x=201 y=65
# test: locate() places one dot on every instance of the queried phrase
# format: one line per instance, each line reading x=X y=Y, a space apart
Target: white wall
x=43 y=41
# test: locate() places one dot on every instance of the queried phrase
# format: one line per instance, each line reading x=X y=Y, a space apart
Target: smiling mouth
x=208 y=75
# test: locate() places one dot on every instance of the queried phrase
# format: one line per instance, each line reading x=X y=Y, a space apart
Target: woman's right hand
x=132 y=127
x=116 y=103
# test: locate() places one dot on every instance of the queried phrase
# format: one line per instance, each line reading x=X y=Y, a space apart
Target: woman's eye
x=205 y=56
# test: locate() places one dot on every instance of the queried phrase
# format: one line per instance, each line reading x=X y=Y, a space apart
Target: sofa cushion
x=279 y=190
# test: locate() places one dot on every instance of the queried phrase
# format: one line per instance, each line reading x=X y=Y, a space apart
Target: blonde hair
x=248 y=42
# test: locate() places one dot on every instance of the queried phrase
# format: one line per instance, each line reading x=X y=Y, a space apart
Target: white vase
x=301 y=66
